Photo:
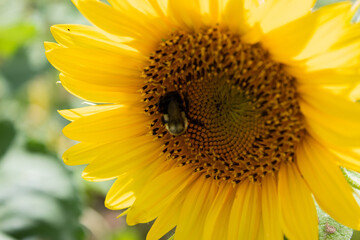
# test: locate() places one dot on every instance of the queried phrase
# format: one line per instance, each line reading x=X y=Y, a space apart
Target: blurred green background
x=40 y=197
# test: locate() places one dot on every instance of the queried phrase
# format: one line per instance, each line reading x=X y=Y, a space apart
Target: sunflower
x=224 y=119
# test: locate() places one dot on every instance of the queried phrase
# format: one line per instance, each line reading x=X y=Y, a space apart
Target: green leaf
x=7 y=133
x=37 y=198
x=13 y=37
x=4 y=236
x=35 y=146
x=127 y=234
x=10 y=69
x=356 y=235
x=329 y=229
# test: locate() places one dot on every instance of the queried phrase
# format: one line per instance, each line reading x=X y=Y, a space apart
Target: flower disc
x=243 y=113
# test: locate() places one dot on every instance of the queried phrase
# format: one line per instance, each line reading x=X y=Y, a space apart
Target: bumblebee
x=174 y=117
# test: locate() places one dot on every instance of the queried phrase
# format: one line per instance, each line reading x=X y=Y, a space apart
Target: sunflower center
x=234 y=110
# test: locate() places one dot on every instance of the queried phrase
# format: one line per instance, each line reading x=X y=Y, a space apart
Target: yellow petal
x=354 y=92
x=160 y=6
x=219 y=213
x=105 y=150
x=193 y=212
x=77 y=113
x=325 y=77
x=331 y=22
x=293 y=41
x=111 y=20
x=139 y=5
x=123 y=192
x=330 y=103
x=347 y=158
x=143 y=14
x=158 y=193
x=100 y=93
x=210 y=7
x=185 y=13
x=346 y=56
x=50 y=45
x=297 y=209
x=239 y=17
x=132 y=154
x=276 y=13
x=261 y=234
x=121 y=195
x=82 y=153
x=167 y=219
x=327 y=183
x=288 y=40
x=318 y=102
x=234 y=16
x=109 y=126
x=74 y=35
x=330 y=137
x=251 y=212
x=254 y=35
x=245 y=215
x=223 y=220
x=337 y=123
x=237 y=206
x=126 y=20
x=97 y=66
x=270 y=209
x=352 y=30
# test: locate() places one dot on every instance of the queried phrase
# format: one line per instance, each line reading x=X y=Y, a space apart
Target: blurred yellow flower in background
x=221 y=118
